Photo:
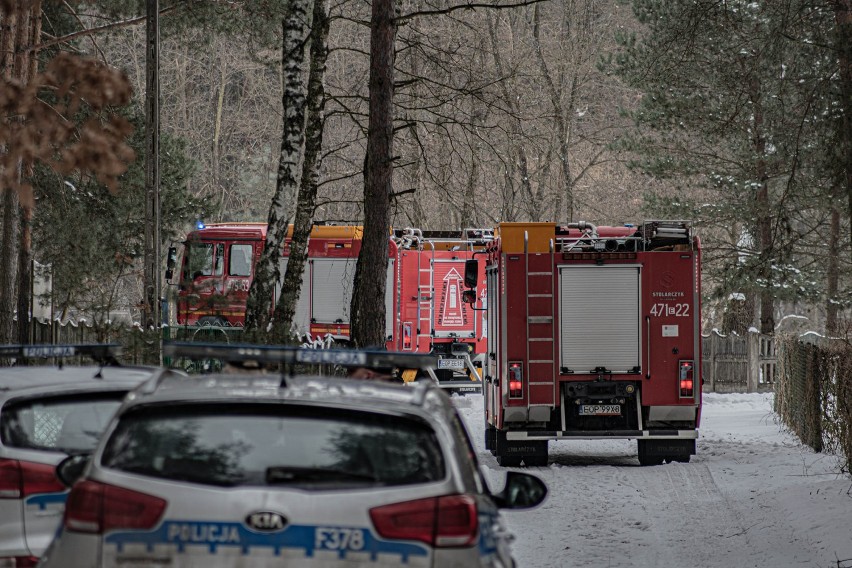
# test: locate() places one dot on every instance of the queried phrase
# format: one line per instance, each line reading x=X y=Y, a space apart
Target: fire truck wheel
x=490 y=435
x=508 y=461
x=535 y=461
x=646 y=454
x=653 y=460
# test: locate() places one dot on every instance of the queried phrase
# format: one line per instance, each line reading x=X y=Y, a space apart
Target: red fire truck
x=218 y=268
x=593 y=333
x=431 y=314
x=423 y=302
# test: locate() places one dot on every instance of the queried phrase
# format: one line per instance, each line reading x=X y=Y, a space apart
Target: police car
x=46 y=413
x=286 y=469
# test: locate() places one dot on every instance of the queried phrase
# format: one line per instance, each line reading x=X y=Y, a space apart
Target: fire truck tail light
x=516 y=380
x=406 y=336
x=687 y=383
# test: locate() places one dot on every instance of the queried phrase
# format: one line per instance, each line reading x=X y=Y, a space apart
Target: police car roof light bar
x=290 y=355
x=103 y=353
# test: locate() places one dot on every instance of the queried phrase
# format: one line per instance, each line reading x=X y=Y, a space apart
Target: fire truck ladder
x=425 y=297
x=540 y=284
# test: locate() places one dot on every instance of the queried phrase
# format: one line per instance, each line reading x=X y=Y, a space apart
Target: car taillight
x=687 y=383
x=94 y=507
x=516 y=380
x=18 y=561
x=18 y=479
x=442 y=522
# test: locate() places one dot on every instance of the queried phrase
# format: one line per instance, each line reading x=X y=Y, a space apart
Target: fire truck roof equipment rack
x=653 y=235
x=465 y=239
x=666 y=234
x=589 y=239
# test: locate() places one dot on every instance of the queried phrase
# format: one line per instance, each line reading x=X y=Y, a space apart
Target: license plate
x=451 y=363
x=600 y=410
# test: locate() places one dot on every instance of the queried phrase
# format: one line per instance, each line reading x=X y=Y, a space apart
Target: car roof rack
x=102 y=353
x=292 y=355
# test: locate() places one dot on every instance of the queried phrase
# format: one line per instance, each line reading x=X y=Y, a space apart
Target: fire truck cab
x=593 y=333
x=218 y=267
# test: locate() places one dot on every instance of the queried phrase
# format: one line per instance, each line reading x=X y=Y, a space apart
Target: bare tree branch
x=468 y=6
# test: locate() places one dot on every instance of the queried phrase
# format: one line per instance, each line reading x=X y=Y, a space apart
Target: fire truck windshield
x=204 y=259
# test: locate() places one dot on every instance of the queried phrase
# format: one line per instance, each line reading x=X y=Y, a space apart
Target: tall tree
x=367 y=314
x=68 y=86
x=285 y=309
x=737 y=103
x=267 y=272
x=843 y=44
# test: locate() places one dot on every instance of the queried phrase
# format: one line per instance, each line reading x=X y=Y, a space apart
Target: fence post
x=714 y=339
x=753 y=345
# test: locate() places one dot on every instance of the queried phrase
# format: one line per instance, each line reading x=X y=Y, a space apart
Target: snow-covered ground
x=752 y=497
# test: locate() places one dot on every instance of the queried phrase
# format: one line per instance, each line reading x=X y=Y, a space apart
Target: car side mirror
x=522 y=491
x=471 y=273
x=71 y=469
x=171 y=261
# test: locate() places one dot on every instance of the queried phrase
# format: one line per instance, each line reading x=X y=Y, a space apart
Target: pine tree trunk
x=18 y=31
x=832 y=275
x=843 y=18
x=763 y=213
x=368 y=296
x=268 y=269
x=285 y=309
x=27 y=64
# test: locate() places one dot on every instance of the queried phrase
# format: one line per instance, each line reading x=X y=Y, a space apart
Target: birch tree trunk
x=268 y=273
x=285 y=309
x=368 y=295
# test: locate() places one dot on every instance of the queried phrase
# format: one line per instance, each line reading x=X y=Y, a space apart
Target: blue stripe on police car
x=215 y=535
x=42 y=500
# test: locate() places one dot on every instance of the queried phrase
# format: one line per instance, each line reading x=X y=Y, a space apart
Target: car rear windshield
x=67 y=424
x=275 y=445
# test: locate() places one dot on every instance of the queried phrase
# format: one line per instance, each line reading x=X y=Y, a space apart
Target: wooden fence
x=738 y=363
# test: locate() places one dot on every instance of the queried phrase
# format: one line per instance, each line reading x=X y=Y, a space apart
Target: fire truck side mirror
x=171 y=261
x=471 y=273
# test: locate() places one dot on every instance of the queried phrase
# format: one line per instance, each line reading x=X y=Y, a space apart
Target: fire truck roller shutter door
x=301 y=319
x=600 y=318
x=332 y=289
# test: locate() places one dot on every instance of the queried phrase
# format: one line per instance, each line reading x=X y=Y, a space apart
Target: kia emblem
x=266 y=521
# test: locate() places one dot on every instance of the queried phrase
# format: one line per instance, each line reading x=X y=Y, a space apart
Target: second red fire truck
x=593 y=333
x=423 y=301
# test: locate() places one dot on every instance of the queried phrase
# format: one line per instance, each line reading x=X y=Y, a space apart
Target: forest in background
x=735 y=115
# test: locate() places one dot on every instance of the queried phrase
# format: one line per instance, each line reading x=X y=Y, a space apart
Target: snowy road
x=752 y=497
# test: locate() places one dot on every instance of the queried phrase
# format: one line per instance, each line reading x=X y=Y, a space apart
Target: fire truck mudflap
x=593 y=334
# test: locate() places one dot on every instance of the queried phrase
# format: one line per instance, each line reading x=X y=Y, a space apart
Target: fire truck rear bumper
x=461 y=386
x=608 y=435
